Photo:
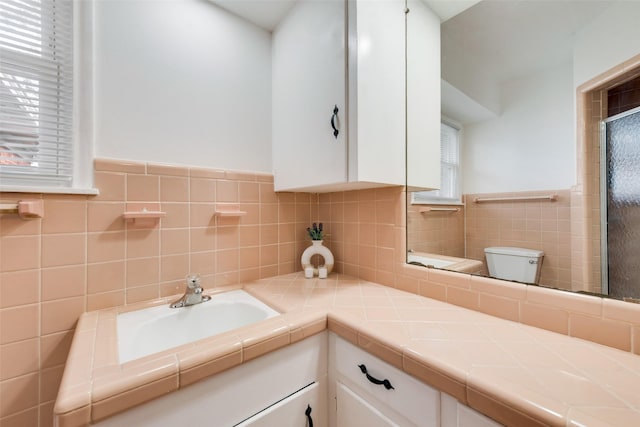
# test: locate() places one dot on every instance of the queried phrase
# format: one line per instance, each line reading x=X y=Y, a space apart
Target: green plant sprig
x=315 y=231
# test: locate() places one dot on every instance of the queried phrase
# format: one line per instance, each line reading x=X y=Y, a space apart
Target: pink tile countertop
x=516 y=374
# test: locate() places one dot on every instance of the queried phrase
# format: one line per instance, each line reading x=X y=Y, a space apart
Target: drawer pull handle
x=334 y=116
x=386 y=383
x=308 y=414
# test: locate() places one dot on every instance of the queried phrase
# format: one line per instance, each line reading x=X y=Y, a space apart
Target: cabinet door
x=377 y=91
x=423 y=97
x=308 y=83
x=455 y=414
x=295 y=411
x=353 y=411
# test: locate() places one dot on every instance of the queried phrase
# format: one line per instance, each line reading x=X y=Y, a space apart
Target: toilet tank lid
x=505 y=250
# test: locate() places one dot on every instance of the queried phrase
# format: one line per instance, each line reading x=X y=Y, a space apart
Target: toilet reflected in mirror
x=520 y=264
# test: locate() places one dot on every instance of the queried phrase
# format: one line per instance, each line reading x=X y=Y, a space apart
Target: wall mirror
x=521 y=146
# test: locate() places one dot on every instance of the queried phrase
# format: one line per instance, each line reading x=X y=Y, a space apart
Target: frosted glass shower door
x=621 y=167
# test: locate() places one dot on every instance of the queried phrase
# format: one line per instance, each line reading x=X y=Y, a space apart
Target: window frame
x=431 y=197
x=82 y=139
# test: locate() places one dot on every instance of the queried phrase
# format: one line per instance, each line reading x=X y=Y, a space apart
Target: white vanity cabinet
x=322 y=381
x=338 y=95
x=410 y=403
x=369 y=391
x=273 y=390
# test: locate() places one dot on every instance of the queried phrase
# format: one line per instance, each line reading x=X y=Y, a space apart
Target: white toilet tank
x=519 y=264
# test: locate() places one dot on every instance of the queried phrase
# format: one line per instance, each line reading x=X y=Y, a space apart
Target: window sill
x=49 y=190
x=437 y=202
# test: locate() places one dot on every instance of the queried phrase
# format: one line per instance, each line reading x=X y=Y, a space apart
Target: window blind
x=36 y=92
x=449 y=162
x=449 y=191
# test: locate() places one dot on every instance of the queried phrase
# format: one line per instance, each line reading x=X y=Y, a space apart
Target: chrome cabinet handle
x=308 y=414
x=334 y=116
x=386 y=383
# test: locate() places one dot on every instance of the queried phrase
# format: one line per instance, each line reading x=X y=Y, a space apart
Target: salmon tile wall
x=541 y=225
x=594 y=111
x=364 y=228
x=438 y=232
x=84 y=256
x=623 y=97
x=372 y=245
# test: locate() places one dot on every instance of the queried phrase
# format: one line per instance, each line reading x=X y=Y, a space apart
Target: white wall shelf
x=228 y=211
x=144 y=214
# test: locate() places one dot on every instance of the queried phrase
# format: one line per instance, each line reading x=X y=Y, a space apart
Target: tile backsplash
x=437 y=231
x=83 y=255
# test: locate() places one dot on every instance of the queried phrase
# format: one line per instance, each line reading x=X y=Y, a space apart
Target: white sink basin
x=148 y=331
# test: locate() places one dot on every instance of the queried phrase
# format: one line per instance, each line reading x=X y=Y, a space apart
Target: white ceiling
x=263 y=13
x=446 y=9
x=268 y=13
x=514 y=37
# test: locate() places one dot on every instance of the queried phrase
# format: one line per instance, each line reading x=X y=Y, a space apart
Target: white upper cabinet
x=340 y=96
x=308 y=66
x=423 y=97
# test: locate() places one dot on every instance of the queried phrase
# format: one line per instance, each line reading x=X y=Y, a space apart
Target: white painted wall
x=514 y=151
x=181 y=82
x=531 y=145
x=611 y=39
x=470 y=73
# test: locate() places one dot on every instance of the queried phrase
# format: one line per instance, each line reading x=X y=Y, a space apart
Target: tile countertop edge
x=297 y=324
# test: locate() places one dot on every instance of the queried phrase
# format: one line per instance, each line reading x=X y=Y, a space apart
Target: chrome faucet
x=193 y=293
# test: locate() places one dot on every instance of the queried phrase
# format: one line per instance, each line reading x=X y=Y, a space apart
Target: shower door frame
x=604 y=178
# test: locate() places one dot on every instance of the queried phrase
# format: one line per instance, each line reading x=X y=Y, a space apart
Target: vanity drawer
x=410 y=398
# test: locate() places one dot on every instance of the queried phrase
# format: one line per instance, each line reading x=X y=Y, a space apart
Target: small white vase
x=317 y=248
